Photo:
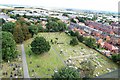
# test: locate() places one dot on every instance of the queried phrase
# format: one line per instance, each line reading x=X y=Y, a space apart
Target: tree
x=21 y=21
x=9 y=26
x=74 y=41
x=18 y=34
x=24 y=16
x=65 y=14
x=67 y=73
x=17 y=15
x=25 y=32
x=2 y=21
x=91 y=42
x=55 y=25
x=72 y=20
x=4 y=10
x=21 y=31
x=77 y=34
x=52 y=26
x=40 y=28
x=40 y=45
x=61 y=26
x=87 y=68
x=72 y=33
x=81 y=19
x=94 y=18
x=116 y=58
x=8 y=46
x=53 y=19
x=33 y=29
x=80 y=38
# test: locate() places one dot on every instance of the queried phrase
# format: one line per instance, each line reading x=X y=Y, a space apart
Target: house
x=4 y=16
x=110 y=47
x=81 y=32
x=99 y=41
x=44 y=24
x=119 y=41
x=98 y=26
x=113 y=40
x=11 y=20
x=107 y=38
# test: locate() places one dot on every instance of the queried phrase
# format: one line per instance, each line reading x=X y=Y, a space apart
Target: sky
x=102 y=5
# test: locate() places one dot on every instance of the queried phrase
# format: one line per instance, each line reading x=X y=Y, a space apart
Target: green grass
x=53 y=60
x=46 y=61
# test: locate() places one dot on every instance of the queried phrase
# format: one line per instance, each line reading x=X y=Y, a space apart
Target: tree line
x=23 y=30
x=88 y=41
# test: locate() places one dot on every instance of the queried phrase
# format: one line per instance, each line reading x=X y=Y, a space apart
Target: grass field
x=8 y=67
x=54 y=59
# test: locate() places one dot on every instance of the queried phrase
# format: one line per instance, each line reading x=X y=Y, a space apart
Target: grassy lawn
x=47 y=62
x=54 y=58
x=8 y=67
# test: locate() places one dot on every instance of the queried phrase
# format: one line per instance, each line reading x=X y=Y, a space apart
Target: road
x=25 y=67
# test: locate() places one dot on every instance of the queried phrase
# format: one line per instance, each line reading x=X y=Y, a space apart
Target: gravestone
x=11 y=73
x=11 y=76
x=3 y=73
x=16 y=66
x=56 y=38
x=13 y=69
x=61 y=52
x=48 y=69
x=74 y=51
x=11 y=65
x=30 y=62
x=32 y=70
x=29 y=54
x=15 y=74
x=6 y=73
x=37 y=66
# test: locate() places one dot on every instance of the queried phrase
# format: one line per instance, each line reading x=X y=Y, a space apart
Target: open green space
x=44 y=65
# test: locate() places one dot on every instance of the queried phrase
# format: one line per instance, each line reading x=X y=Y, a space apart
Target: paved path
x=86 y=56
x=25 y=67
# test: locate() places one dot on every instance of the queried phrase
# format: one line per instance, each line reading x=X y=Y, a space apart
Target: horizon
x=15 y=5
x=109 y=6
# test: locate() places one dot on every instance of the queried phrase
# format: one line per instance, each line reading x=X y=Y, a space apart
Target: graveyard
x=12 y=69
x=62 y=54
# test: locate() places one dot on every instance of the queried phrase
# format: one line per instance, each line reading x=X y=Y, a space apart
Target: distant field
x=54 y=59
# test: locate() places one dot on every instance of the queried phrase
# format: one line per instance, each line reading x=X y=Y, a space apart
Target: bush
x=33 y=29
x=9 y=26
x=74 y=41
x=80 y=38
x=67 y=73
x=116 y=58
x=91 y=42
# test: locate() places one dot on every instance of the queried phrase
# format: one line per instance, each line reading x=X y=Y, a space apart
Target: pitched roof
x=109 y=46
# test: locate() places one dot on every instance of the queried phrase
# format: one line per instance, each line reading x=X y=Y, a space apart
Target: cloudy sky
x=104 y=5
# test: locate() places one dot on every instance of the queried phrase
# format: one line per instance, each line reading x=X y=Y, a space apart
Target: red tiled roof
x=109 y=46
x=81 y=32
x=100 y=41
